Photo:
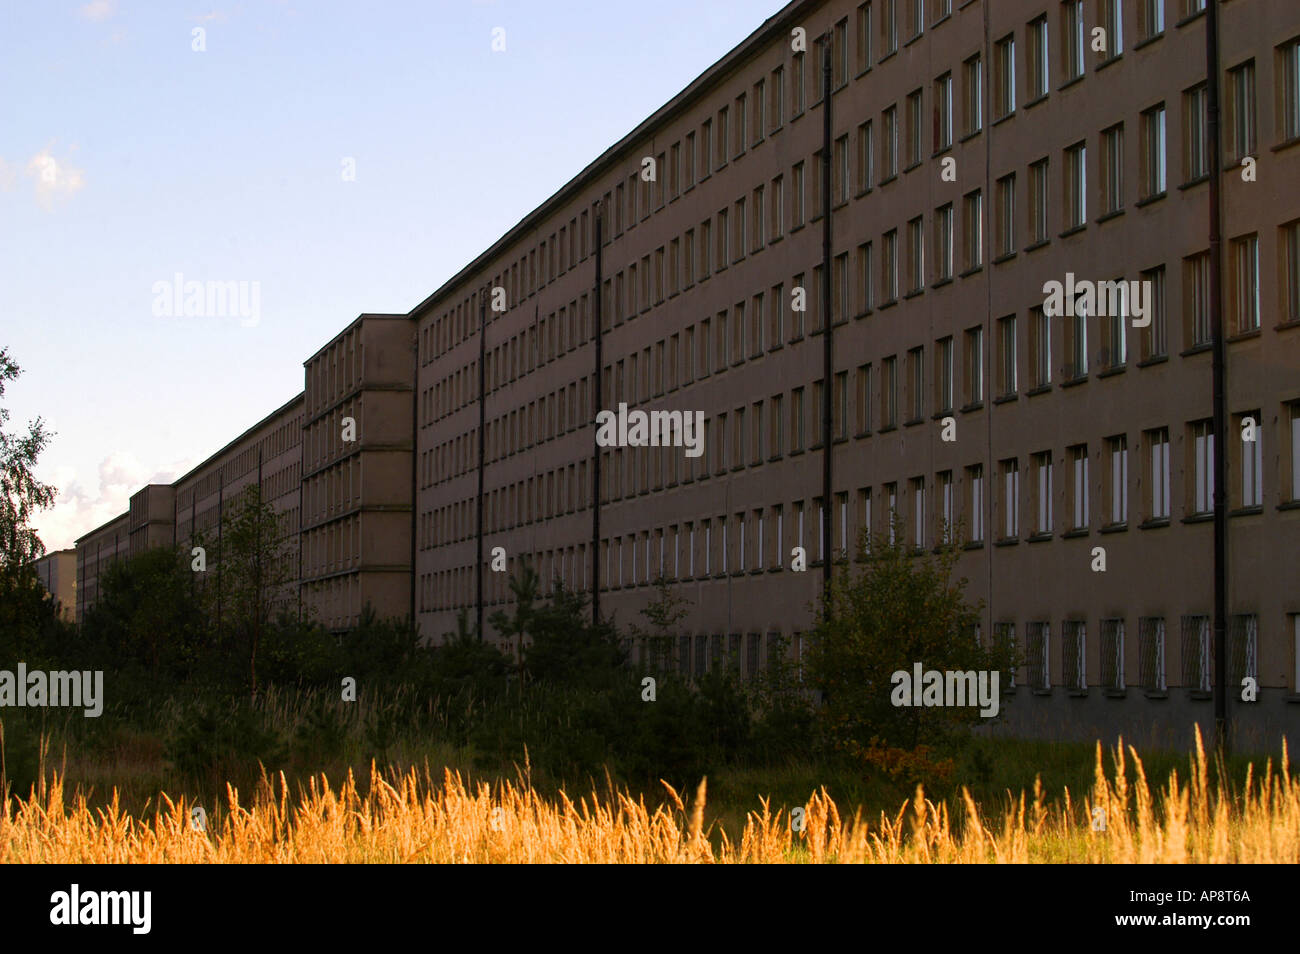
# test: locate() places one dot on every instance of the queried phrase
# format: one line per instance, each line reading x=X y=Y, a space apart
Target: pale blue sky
x=126 y=157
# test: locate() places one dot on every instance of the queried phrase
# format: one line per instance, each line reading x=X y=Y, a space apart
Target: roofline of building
x=694 y=91
x=211 y=457
x=364 y=316
x=124 y=515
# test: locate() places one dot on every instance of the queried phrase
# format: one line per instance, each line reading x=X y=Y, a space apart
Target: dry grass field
x=415 y=817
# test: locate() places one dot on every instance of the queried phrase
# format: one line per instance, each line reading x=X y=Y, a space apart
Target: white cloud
x=55 y=178
x=97 y=10
x=82 y=505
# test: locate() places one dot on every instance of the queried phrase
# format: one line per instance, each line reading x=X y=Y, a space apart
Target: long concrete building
x=978 y=152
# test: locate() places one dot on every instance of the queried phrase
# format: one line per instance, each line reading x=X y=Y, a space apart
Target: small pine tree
x=898 y=607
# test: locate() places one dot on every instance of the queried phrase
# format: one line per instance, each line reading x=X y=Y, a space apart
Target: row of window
x=1192 y=655
x=335 y=371
x=760 y=111
x=743 y=330
x=754 y=434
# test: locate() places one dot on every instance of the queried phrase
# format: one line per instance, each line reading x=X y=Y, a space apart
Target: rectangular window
x=1040 y=343
x=1072 y=30
x=1153 y=151
x=1112 y=20
x=1081 y=510
x=1241 y=112
x=919 y=536
x=1006 y=356
x=914 y=114
x=1289 y=269
x=1151 y=14
x=915 y=255
x=862 y=38
x=1245 y=284
x=1117 y=489
x=891 y=510
x=943 y=112
x=947 y=512
x=943 y=242
x=974 y=366
x=1155 y=335
x=1287 y=97
x=916 y=383
x=1041 y=464
x=723 y=142
x=975 y=502
x=1074 y=654
x=1114 y=352
x=840 y=192
x=1112 y=168
x=863 y=398
x=866 y=279
x=1004 y=76
x=866 y=157
x=1151 y=653
x=889 y=265
x=1293 y=621
x=777 y=208
x=889 y=393
x=840 y=408
x=889 y=26
x=776 y=98
x=1158 y=474
x=1112 y=655
x=1196 y=652
x=1201 y=446
x=915 y=18
x=943 y=373
x=973 y=230
x=1195 y=154
x=1250 y=462
x=796 y=419
x=1039 y=74
x=1010 y=472
x=1076 y=343
x=1006 y=213
x=1037 y=636
x=1291 y=420
x=796 y=314
x=797 y=71
x=1243 y=648
x=796 y=196
x=1076 y=186
x=973 y=95
x=890 y=145
x=1196 y=293
x=777 y=411
x=1038 y=202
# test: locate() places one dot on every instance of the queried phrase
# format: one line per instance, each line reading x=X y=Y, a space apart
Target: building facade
x=978 y=153
x=58 y=574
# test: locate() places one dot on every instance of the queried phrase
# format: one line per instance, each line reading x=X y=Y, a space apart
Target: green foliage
x=567 y=650
x=255 y=569
x=897 y=608
x=22 y=496
x=212 y=742
x=148 y=615
x=663 y=614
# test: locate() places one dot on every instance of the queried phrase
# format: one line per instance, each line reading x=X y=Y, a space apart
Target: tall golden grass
x=408 y=817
